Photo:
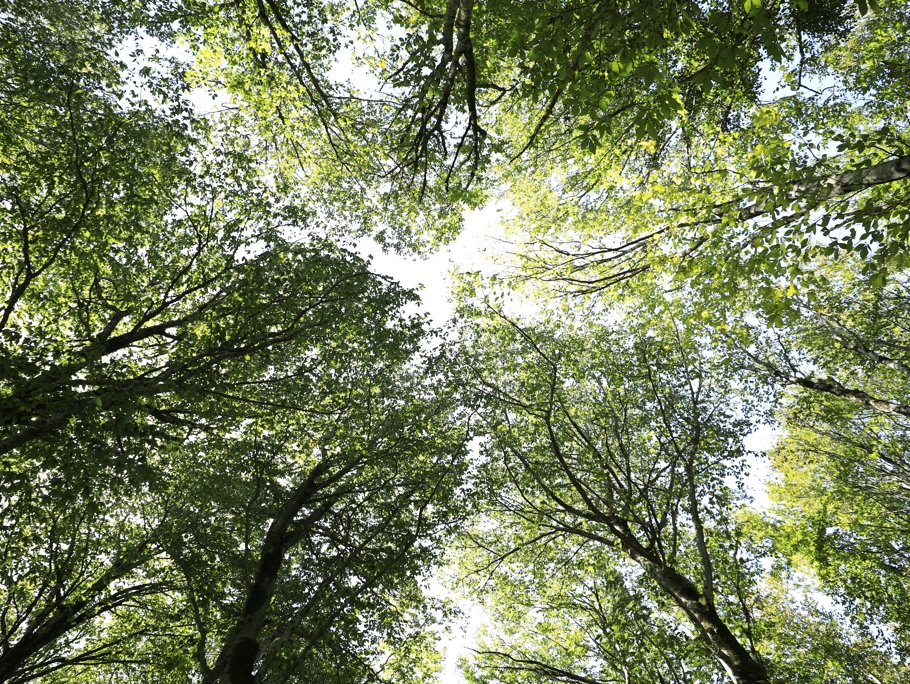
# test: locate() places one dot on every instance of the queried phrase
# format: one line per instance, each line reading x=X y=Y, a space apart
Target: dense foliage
x=226 y=448
x=232 y=452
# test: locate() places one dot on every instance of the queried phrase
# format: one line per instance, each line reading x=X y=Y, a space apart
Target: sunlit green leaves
x=181 y=346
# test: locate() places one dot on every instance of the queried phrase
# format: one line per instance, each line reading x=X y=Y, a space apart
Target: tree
x=620 y=542
x=839 y=515
x=621 y=442
x=651 y=151
x=445 y=91
x=811 y=170
x=785 y=235
x=308 y=543
x=225 y=455
x=841 y=457
x=566 y=610
x=229 y=455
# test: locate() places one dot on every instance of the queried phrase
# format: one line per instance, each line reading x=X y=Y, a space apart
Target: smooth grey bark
x=838 y=390
x=821 y=189
x=833 y=387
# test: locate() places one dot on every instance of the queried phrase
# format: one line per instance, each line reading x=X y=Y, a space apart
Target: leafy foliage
x=224 y=453
x=232 y=453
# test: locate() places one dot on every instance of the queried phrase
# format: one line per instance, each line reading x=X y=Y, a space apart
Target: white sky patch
x=760 y=472
x=432 y=274
x=458 y=641
x=775 y=87
x=473 y=250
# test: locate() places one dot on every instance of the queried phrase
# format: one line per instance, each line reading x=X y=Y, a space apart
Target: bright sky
x=470 y=251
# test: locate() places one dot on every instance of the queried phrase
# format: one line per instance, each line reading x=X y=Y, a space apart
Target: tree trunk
x=820 y=189
x=740 y=664
x=237 y=661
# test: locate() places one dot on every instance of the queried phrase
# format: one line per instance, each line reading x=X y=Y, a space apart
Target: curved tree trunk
x=740 y=664
x=236 y=662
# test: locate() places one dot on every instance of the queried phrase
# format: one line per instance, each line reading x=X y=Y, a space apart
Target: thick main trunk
x=237 y=661
x=742 y=667
x=740 y=664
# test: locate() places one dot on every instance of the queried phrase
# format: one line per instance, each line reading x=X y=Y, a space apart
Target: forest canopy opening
x=233 y=451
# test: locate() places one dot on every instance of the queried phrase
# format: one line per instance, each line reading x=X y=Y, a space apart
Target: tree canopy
x=232 y=452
